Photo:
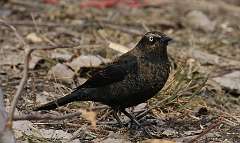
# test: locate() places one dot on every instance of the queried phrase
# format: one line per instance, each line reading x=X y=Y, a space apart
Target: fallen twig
x=39 y=116
x=118 y=47
x=212 y=126
x=59 y=123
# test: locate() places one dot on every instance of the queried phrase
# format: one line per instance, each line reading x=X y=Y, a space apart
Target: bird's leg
x=135 y=121
x=117 y=118
x=130 y=116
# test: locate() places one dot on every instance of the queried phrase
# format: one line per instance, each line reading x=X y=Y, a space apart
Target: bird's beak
x=167 y=39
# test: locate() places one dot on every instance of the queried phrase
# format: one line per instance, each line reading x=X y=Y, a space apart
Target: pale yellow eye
x=150 y=38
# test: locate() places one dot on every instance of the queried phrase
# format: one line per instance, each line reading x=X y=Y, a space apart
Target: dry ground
x=193 y=104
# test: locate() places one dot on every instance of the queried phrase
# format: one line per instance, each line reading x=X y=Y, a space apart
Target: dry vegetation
x=63 y=43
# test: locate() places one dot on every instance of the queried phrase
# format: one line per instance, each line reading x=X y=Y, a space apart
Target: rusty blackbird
x=129 y=80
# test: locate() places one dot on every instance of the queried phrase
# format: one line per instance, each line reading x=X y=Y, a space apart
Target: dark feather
x=114 y=72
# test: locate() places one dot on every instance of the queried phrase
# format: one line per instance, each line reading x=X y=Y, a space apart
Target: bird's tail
x=77 y=95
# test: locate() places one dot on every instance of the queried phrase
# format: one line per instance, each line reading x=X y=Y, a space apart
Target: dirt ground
x=200 y=102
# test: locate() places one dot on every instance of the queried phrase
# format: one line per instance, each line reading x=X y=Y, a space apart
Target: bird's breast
x=154 y=75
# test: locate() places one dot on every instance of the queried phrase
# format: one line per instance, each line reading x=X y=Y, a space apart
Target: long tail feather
x=76 y=95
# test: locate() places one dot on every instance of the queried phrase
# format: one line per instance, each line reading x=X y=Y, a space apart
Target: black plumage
x=129 y=80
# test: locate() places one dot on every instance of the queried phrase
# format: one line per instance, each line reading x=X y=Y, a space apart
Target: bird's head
x=154 y=41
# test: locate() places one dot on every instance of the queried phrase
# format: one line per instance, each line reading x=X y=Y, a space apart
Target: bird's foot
x=136 y=122
x=115 y=115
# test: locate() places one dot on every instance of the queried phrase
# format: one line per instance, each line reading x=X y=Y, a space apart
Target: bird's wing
x=114 y=72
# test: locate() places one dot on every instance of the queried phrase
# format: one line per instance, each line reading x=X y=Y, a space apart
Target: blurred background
x=205 y=78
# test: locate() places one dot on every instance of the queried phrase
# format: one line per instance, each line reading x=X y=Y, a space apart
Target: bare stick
x=213 y=126
x=20 y=38
x=39 y=116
